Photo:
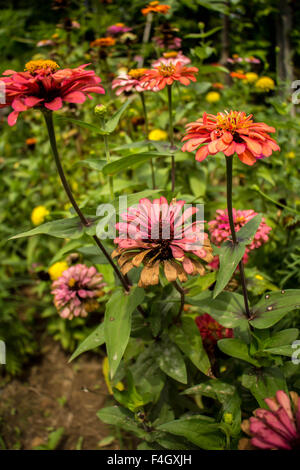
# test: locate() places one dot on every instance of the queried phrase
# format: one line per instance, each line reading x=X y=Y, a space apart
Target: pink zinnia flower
x=118 y=28
x=130 y=81
x=75 y=292
x=42 y=85
x=163 y=75
x=172 y=58
x=160 y=234
x=277 y=428
x=229 y=132
x=219 y=229
x=211 y=331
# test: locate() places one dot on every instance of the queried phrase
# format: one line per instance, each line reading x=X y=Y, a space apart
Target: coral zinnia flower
x=230 y=132
x=160 y=234
x=172 y=57
x=103 y=42
x=277 y=428
x=130 y=81
x=155 y=7
x=238 y=75
x=76 y=290
x=42 y=85
x=211 y=331
x=166 y=74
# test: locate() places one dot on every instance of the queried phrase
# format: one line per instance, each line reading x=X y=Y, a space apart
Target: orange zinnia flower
x=239 y=75
x=103 y=42
x=229 y=133
x=155 y=7
x=164 y=74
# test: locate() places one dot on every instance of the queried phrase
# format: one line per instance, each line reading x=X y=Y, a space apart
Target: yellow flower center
x=37 y=65
x=166 y=70
x=72 y=282
x=240 y=219
x=120 y=24
x=137 y=73
x=170 y=55
x=232 y=120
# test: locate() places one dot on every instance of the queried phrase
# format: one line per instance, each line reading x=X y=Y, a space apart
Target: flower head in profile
x=118 y=28
x=265 y=84
x=160 y=234
x=130 y=81
x=211 y=331
x=277 y=428
x=219 y=229
x=103 y=42
x=39 y=214
x=163 y=75
x=230 y=132
x=76 y=291
x=172 y=57
x=155 y=7
x=42 y=85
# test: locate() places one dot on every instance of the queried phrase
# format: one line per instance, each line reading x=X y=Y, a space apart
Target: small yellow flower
x=38 y=215
x=105 y=371
x=259 y=277
x=213 y=97
x=56 y=270
x=157 y=134
x=251 y=77
x=228 y=418
x=290 y=155
x=265 y=84
x=74 y=185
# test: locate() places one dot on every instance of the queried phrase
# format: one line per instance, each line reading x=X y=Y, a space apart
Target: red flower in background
x=230 y=133
x=166 y=74
x=211 y=331
x=42 y=85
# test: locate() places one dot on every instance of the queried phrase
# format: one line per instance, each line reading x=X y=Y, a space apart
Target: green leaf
x=203 y=35
x=130 y=161
x=111 y=124
x=286 y=350
x=273 y=306
x=171 y=362
x=131 y=398
x=197 y=430
x=118 y=416
x=282 y=338
x=230 y=254
x=264 y=384
x=236 y=348
x=69 y=246
x=94 y=340
x=62 y=228
x=188 y=339
x=117 y=323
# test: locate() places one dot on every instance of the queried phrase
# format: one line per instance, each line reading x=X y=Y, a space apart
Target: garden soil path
x=54 y=394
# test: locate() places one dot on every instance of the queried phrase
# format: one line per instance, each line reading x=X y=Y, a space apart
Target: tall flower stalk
x=147 y=133
x=171 y=135
x=229 y=161
x=110 y=178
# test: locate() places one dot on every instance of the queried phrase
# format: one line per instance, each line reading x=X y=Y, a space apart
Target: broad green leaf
x=282 y=338
x=93 y=254
x=264 y=384
x=286 y=350
x=94 y=340
x=130 y=161
x=111 y=124
x=231 y=254
x=63 y=228
x=236 y=348
x=123 y=418
x=204 y=34
x=70 y=246
x=188 y=339
x=171 y=362
x=117 y=323
x=77 y=122
x=198 y=284
x=197 y=430
x=273 y=306
x=212 y=69
x=131 y=398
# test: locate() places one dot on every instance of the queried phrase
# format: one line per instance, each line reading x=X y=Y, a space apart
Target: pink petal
x=55 y=104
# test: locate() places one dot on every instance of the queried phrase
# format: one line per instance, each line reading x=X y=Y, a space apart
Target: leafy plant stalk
x=171 y=134
x=229 y=161
x=110 y=178
x=147 y=133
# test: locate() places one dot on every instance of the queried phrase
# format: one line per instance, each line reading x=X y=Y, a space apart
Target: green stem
x=171 y=134
x=50 y=127
x=182 y=298
x=229 y=161
x=110 y=178
x=147 y=133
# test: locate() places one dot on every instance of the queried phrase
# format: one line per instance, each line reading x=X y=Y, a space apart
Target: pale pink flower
x=76 y=291
x=171 y=58
x=118 y=28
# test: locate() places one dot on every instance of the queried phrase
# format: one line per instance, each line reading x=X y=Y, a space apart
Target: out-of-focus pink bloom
x=211 y=331
x=75 y=292
x=118 y=28
x=252 y=60
x=75 y=24
x=42 y=85
x=157 y=233
x=235 y=59
x=45 y=42
x=219 y=229
x=130 y=81
x=172 y=58
x=277 y=428
x=164 y=42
